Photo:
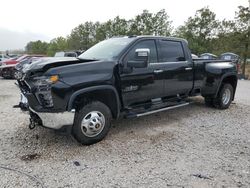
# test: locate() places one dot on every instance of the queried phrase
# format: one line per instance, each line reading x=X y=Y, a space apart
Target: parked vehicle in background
x=68 y=54
x=3 y=58
x=194 y=56
x=121 y=77
x=8 y=66
x=208 y=56
x=232 y=57
x=2 y=64
x=22 y=64
x=13 y=55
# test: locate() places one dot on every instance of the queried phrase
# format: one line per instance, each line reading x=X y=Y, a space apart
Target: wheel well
x=231 y=80
x=105 y=96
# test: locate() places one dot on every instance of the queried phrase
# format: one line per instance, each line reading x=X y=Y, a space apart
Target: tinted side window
x=150 y=44
x=171 y=51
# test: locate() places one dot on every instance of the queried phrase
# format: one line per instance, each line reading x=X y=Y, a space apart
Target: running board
x=162 y=109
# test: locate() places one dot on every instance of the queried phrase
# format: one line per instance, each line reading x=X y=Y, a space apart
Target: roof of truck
x=152 y=36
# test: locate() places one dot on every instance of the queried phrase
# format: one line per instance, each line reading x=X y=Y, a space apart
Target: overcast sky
x=25 y=20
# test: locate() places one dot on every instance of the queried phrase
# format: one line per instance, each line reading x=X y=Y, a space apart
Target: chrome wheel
x=226 y=96
x=93 y=124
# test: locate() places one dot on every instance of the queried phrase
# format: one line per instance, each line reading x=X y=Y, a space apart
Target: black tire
x=6 y=77
x=80 y=132
x=218 y=102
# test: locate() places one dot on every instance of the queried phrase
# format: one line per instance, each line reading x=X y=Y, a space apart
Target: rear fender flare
x=221 y=81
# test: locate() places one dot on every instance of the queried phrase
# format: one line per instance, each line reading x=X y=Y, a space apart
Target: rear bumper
x=56 y=120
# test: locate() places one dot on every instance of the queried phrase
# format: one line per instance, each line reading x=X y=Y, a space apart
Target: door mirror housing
x=181 y=59
x=141 y=58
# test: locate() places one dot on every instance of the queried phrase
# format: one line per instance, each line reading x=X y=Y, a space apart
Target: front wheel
x=225 y=97
x=92 y=123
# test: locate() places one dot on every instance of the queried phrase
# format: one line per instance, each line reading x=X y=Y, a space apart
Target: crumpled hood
x=47 y=62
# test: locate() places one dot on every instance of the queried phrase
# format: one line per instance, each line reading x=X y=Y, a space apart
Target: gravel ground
x=192 y=147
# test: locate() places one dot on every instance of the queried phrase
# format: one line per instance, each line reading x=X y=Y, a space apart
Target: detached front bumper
x=56 y=117
x=55 y=120
x=52 y=120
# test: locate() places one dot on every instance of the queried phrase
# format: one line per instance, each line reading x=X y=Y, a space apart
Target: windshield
x=107 y=49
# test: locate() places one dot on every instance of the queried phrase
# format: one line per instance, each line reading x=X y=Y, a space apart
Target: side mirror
x=181 y=59
x=141 y=58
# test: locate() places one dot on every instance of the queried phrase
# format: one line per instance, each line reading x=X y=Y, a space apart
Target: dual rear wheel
x=223 y=99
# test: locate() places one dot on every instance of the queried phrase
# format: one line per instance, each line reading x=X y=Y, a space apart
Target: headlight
x=45 y=80
x=43 y=89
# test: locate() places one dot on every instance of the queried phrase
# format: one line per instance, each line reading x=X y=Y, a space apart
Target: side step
x=157 y=110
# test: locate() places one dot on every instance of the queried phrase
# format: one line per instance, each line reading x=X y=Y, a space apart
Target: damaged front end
x=36 y=98
x=24 y=105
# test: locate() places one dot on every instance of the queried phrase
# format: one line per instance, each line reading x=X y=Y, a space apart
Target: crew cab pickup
x=124 y=77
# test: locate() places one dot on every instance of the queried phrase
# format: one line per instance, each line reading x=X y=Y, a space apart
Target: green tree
x=87 y=34
x=150 y=24
x=57 y=44
x=37 y=47
x=116 y=27
x=226 y=39
x=83 y=36
x=200 y=30
x=242 y=31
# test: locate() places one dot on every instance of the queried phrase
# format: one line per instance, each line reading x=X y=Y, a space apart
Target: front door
x=142 y=84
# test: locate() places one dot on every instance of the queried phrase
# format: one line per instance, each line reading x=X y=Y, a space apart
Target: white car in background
x=3 y=57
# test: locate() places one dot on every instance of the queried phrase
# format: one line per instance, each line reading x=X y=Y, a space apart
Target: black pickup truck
x=121 y=77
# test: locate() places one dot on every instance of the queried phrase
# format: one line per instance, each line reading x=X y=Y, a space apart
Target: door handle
x=158 y=71
x=188 y=68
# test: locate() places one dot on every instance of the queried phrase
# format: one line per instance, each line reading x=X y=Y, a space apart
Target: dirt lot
x=193 y=146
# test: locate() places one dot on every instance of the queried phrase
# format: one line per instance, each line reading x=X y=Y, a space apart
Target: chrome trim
x=188 y=68
x=56 y=120
x=93 y=124
x=162 y=109
x=226 y=96
x=161 y=63
x=158 y=71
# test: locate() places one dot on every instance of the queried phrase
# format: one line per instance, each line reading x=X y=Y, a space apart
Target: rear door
x=178 y=68
x=142 y=84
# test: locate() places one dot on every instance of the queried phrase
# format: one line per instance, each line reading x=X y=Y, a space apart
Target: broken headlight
x=43 y=86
